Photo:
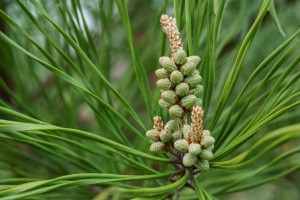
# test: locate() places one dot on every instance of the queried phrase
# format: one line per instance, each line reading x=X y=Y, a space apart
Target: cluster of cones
x=179 y=82
x=188 y=142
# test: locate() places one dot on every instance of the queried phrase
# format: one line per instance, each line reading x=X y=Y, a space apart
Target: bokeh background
x=32 y=89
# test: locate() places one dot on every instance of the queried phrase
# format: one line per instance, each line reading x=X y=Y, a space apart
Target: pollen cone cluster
x=161 y=134
x=198 y=144
x=194 y=144
x=181 y=92
x=179 y=82
x=178 y=79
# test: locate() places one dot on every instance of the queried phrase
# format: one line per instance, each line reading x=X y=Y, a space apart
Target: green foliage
x=78 y=94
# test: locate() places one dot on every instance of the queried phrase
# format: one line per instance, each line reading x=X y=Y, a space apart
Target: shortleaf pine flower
x=181 y=93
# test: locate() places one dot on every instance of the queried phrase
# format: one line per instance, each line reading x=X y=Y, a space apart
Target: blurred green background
x=31 y=89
